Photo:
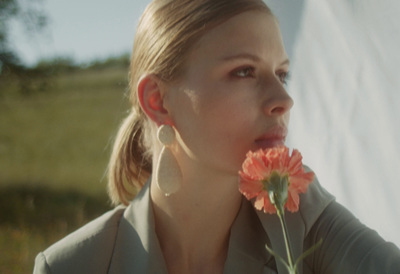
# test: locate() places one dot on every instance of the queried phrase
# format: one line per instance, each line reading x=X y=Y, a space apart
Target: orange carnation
x=265 y=171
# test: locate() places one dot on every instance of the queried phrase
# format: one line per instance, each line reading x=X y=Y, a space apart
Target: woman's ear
x=151 y=98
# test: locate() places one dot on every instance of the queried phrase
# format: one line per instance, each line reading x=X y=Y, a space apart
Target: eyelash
x=284 y=77
x=249 y=72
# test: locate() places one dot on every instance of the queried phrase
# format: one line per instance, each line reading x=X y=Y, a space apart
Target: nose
x=278 y=101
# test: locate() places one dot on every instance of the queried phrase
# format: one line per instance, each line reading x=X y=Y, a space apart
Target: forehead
x=252 y=32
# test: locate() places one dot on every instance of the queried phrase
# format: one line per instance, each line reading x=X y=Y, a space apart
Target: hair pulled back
x=166 y=32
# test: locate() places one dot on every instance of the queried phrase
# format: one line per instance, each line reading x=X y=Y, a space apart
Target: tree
x=25 y=12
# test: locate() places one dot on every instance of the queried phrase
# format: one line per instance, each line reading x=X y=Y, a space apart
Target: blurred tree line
x=31 y=16
x=39 y=78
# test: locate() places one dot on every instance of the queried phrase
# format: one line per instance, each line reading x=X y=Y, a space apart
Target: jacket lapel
x=136 y=248
x=247 y=253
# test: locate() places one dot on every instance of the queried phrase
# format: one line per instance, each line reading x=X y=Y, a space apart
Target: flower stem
x=289 y=253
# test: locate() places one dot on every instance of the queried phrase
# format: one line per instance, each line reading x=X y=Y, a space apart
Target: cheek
x=215 y=123
x=182 y=106
x=226 y=102
x=227 y=110
x=214 y=118
x=229 y=127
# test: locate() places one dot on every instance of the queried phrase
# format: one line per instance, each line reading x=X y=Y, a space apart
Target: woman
x=209 y=76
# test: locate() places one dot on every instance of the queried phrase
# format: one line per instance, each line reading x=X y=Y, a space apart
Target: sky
x=81 y=29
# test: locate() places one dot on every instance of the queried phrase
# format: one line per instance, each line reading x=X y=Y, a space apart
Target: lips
x=275 y=136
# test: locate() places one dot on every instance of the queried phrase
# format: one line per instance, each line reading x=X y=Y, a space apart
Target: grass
x=32 y=218
x=62 y=137
x=54 y=149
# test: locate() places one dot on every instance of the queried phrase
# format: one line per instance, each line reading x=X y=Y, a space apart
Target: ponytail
x=129 y=167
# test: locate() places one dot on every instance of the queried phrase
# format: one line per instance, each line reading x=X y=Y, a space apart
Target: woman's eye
x=284 y=77
x=246 y=72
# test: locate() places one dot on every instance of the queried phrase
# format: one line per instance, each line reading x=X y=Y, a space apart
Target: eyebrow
x=250 y=57
x=241 y=56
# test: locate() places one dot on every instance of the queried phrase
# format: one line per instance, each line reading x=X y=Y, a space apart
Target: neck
x=193 y=225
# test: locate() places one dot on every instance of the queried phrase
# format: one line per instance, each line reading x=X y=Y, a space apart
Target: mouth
x=274 y=137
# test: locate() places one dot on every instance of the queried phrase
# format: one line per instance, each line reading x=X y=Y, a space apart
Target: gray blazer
x=124 y=241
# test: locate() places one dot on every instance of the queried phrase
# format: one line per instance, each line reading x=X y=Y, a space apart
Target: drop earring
x=168 y=173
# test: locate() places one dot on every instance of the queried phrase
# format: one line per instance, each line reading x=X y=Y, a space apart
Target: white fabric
x=346 y=90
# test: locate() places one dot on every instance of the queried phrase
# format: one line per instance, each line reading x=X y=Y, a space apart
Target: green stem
x=287 y=240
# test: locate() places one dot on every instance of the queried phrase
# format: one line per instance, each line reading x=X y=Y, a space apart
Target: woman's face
x=232 y=97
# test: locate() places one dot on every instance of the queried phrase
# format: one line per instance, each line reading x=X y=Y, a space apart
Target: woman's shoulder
x=349 y=246
x=91 y=243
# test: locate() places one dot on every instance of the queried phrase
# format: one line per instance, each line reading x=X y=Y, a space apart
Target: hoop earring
x=168 y=173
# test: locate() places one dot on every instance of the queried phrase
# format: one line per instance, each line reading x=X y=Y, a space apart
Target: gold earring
x=168 y=173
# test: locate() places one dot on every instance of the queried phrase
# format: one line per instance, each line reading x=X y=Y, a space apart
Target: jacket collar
x=137 y=249
x=247 y=253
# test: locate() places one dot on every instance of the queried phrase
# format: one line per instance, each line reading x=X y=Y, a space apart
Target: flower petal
x=295 y=163
x=255 y=168
x=250 y=188
x=292 y=204
x=256 y=174
x=259 y=202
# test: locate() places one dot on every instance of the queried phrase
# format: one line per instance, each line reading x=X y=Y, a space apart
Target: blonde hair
x=167 y=31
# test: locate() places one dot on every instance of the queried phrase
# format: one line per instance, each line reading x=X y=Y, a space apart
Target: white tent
x=346 y=90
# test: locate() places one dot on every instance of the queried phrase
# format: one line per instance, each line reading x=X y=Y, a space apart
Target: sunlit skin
x=231 y=99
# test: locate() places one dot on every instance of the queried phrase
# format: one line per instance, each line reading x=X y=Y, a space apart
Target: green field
x=54 y=148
